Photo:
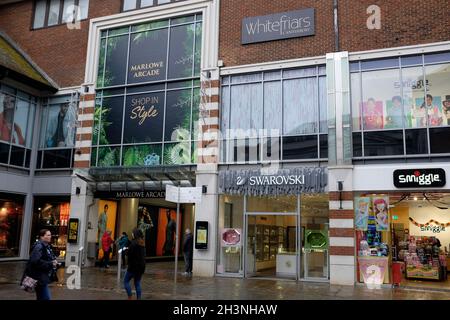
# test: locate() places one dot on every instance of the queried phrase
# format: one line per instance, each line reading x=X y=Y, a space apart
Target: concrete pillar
x=128 y=216
x=204 y=262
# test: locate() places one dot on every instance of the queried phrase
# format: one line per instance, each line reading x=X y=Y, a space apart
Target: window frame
x=60 y=15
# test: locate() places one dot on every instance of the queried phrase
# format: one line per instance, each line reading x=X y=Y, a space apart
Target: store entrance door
x=272 y=238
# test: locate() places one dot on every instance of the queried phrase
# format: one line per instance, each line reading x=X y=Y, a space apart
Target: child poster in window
x=362 y=205
x=381 y=213
x=373 y=114
x=433 y=107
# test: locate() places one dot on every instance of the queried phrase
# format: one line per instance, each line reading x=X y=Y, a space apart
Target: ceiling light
x=415 y=198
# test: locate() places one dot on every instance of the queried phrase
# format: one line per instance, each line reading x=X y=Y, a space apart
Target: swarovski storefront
x=273 y=224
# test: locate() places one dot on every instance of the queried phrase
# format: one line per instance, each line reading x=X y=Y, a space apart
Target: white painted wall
x=423 y=215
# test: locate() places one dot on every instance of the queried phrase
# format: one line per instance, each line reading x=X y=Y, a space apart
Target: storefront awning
x=142 y=178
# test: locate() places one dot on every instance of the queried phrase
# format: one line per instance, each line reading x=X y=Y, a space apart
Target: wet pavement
x=158 y=284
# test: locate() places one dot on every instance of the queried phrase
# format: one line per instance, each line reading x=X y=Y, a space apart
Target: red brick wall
x=233 y=11
x=60 y=52
x=402 y=23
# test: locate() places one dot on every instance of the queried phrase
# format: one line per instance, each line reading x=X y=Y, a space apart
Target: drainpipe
x=336 y=26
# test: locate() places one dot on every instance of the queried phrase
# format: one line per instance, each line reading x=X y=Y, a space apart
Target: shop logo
x=240 y=181
x=434 y=229
x=299 y=23
x=419 y=178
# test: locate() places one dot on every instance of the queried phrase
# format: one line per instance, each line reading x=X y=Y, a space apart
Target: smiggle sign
x=417 y=178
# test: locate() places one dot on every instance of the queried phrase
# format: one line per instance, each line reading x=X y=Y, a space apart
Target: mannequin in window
x=6 y=123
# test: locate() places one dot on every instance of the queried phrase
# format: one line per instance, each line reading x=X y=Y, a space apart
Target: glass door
x=271 y=225
x=314 y=237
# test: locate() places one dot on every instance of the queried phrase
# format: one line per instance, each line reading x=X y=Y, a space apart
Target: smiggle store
x=404 y=235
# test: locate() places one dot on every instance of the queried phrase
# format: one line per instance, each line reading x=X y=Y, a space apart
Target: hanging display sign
x=284 y=25
x=437 y=227
x=283 y=181
x=231 y=237
x=73 y=230
x=419 y=178
x=362 y=205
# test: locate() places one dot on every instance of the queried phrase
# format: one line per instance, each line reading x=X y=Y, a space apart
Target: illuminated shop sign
x=419 y=178
x=130 y=194
x=284 y=181
x=292 y=24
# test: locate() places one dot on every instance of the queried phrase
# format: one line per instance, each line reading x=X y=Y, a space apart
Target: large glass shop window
x=148 y=93
x=11 y=215
x=401 y=106
x=275 y=115
x=17 y=110
x=58 y=128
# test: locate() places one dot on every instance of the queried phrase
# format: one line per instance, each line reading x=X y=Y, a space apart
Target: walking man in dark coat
x=188 y=247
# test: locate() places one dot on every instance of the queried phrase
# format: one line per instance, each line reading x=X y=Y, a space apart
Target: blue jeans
x=137 y=284
x=42 y=292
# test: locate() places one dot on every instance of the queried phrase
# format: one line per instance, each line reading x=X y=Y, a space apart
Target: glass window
x=381 y=104
x=413 y=93
x=39 y=14
x=60 y=120
x=273 y=111
x=181 y=54
x=178 y=116
x=129 y=5
x=7 y=118
x=379 y=64
x=439 y=138
x=416 y=141
x=17 y=156
x=21 y=125
x=83 y=9
x=230 y=237
x=57 y=158
x=144 y=118
x=300 y=106
x=116 y=50
x=111 y=119
x=301 y=147
x=11 y=215
x=323 y=105
x=68 y=11
x=357 y=144
x=246 y=107
x=146 y=3
x=383 y=143
x=355 y=85
x=142 y=155
x=438 y=94
x=53 y=13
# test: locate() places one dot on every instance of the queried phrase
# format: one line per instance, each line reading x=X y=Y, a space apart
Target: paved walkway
x=158 y=283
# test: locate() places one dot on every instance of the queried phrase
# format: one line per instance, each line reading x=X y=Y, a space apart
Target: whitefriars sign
x=292 y=24
x=419 y=178
x=284 y=181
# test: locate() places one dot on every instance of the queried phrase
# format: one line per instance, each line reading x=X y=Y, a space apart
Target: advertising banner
x=362 y=205
x=373 y=270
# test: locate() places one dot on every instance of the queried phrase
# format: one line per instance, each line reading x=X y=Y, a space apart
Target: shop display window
x=11 y=215
x=52 y=214
x=410 y=94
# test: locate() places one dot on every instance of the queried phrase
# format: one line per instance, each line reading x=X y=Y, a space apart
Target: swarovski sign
x=292 y=24
x=283 y=181
x=419 y=178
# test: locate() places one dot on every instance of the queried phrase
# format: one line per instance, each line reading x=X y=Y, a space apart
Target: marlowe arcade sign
x=284 y=25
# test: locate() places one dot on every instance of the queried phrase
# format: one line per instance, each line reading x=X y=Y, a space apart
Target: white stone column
x=204 y=262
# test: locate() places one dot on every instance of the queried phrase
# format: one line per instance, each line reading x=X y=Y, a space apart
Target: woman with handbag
x=42 y=265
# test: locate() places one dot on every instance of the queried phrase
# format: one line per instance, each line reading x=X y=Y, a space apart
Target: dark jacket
x=188 y=244
x=136 y=257
x=40 y=265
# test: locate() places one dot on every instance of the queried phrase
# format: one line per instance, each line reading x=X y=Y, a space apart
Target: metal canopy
x=142 y=178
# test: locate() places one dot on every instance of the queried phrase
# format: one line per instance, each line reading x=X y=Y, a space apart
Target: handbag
x=29 y=284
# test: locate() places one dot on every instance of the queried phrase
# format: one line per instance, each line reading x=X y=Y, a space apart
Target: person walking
x=42 y=265
x=122 y=243
x=188 y=248
x=106 y=246
x=136 y=264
